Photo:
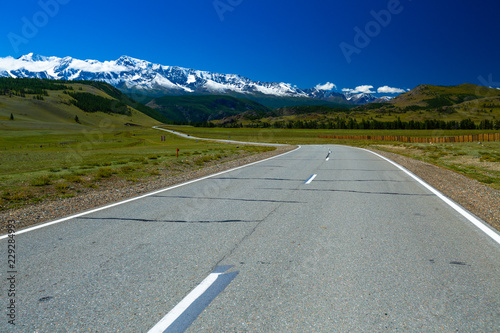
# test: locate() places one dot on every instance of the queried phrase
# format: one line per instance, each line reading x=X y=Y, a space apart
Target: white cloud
x=390 y=90
x=360 y=89
x=326 y=86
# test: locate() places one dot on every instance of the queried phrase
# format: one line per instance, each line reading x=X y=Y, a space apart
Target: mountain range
x=82 y=103
x=135 y=76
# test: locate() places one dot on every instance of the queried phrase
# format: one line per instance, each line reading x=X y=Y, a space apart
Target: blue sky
x=357 y=43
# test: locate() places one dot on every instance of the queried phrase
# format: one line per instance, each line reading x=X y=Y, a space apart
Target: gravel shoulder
x=477 y=198
x=481 y=200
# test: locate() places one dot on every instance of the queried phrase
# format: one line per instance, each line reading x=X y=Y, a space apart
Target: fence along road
x=400 y=138
x=361 y=247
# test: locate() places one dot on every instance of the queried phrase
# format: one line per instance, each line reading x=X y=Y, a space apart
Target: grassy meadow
x=43 y=164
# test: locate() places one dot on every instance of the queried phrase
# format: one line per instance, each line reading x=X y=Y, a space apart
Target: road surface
x=297 y=243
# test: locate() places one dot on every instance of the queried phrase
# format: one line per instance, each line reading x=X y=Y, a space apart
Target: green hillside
x=202 y=108
x=428 y=102
x=429 y=97
x=117 y=94
x=47 y=104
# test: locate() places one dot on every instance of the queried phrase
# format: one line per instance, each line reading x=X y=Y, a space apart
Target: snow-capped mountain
x=383 y=99
x=360 y=98
x=135 y=75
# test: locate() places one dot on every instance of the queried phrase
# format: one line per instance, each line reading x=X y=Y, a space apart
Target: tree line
x=370 y=124
x=22 y=87
x=93 y=103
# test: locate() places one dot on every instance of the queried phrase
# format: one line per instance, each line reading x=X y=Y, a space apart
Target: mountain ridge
x=136 y=76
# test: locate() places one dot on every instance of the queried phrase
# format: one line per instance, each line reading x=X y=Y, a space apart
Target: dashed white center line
x=309 y=181
x=328 y=156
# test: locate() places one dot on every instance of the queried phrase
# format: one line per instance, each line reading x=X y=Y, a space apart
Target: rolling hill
x=429 y=97
x=465 y=101
x=38 y=104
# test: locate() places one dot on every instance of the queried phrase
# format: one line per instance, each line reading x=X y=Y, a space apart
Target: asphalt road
x=362 y=247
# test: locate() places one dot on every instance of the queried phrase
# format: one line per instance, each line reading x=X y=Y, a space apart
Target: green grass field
x=39 y=164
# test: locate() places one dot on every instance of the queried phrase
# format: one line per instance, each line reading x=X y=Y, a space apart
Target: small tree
x=76 y=119
x=11 y=116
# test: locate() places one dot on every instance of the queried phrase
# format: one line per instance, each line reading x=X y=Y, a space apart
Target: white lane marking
x=179 y=309
x=486 y=229
x=328 y=156
x=309 y=181
x=142 y=196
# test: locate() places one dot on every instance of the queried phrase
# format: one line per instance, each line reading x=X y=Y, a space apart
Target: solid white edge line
x=309 y=181
x=479 y=224
x=143 y=196
x=179 y=309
